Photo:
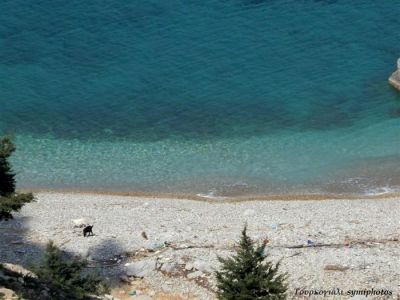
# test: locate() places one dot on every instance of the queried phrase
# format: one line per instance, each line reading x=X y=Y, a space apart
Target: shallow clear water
x=213 y=97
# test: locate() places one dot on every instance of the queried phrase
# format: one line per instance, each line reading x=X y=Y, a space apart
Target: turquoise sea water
x=217 y=97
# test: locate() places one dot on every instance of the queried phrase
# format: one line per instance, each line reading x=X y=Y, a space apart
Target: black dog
x=87 y=231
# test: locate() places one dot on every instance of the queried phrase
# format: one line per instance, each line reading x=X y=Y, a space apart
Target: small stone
x=249 y=212
x=81 y=222
x=180 y=261
x=169 y=268
x=189 y=266
x=203 y=266
x=154 y=245
x=195 y=274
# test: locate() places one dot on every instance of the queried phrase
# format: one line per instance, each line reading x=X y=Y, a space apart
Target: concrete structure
x=394 y=80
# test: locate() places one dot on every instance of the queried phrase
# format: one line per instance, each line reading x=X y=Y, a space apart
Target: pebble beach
x=171 y=246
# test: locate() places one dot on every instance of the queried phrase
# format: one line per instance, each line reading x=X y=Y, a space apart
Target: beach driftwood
x=367 y=243
x=339 y=268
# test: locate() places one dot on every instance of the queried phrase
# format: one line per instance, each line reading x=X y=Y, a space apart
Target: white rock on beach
x=80 y=222
x=169 y=267
x=18 y=269
x=189 y=266
x=203 y=266
x=249 y=212
x=140 y=268
x=195 y=274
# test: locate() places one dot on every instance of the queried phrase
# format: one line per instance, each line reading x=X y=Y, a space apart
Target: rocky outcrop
x=394 y=80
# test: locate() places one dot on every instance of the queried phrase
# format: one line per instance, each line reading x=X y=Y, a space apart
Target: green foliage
x=248 y=276
x=9 y=200
x=13 y=203
x=7 y=177
x=68 y=275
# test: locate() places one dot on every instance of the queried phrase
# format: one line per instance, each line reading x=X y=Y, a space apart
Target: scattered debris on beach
x=169 y=250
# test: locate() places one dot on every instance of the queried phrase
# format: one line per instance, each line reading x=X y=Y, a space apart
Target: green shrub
x=248 y=276
x=68 y=274
x=9 y=200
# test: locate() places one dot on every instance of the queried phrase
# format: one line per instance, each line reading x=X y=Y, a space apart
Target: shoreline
x=219 y=199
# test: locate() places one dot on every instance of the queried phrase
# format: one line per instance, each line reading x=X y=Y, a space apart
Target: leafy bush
x=68 y=274
x=9 y=200
x=248 y=276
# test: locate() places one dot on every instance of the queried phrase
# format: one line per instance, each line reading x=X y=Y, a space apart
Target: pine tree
x=248 y=276
x=7 y=177
x=68 y=274
x=9 y=200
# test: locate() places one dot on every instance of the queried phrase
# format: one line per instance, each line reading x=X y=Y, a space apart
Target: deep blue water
x=213 y=96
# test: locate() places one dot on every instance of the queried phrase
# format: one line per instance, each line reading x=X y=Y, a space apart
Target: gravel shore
x=354 y=243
